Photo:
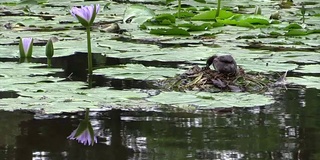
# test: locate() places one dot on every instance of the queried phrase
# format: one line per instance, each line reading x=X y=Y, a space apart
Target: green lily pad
x=297 y=57
x=205 y=100
x=178 y=54
x=245 y=20
x=308 y=81
x=210 y=15
x=13 y=74
x=172 y=31
x=163 y=19
x=315 y=68
x=293 y=26
x=265 y=66
x=48 y=97
x=138 y=71
x=297 y=32
x=252 y=19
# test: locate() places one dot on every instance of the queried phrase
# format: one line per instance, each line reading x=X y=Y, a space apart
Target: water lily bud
x=49 y=49
x=85 y=14
x=257 y=10
x=25 y=47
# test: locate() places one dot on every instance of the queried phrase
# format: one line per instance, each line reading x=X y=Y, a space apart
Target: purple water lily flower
x=84 y=137
x=26 y=42
x=85 y=14
x=25 y=47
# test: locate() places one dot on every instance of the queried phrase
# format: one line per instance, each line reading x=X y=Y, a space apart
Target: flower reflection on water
x=84 y=133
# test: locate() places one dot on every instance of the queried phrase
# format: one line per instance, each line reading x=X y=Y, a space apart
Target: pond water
x=282 y=123
x=289 y=129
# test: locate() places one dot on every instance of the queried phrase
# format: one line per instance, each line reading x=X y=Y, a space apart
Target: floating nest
x=200 y=79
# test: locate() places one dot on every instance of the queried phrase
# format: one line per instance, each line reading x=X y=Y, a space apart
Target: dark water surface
x=289 y=129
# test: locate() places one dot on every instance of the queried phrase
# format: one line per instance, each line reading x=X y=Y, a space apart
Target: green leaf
x=210 y=15
x=244 y=24
x=297 y=32
x=274 y=33
x=81 y=128
x=217 y=24
x=21 y=50
x=314 y=31
x=93 y=15
x=83 y=21
x=91 y=132
x=163 y=19
x=184 y=14
x=253 y=19
x=202 y=27
x=172 y=31
x=293 y=26
x=245 y=20
x=227 y=21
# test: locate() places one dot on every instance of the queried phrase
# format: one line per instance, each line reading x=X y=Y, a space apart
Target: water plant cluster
x=85 y=15
x=191 y=19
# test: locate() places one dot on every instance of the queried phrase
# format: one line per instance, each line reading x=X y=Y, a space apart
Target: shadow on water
x=8 y=94
x=290 y=129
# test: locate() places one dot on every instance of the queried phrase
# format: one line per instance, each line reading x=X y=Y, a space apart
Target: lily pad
x=308 y=81
x=138 y=71
x=315 y=68
x=137 y=14
x=206 y=100
x=178 y=54
x=172 y=31
x=47 y=97
x=297 y=57
x=13 y=74
x=210 y=15
x=265 y=66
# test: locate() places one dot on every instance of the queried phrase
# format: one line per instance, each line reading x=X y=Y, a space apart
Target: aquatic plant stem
x=49 y=62
x=87 y=114
x=179 y=8
x=89 y=51
x=303 y=12
x=218 y=9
